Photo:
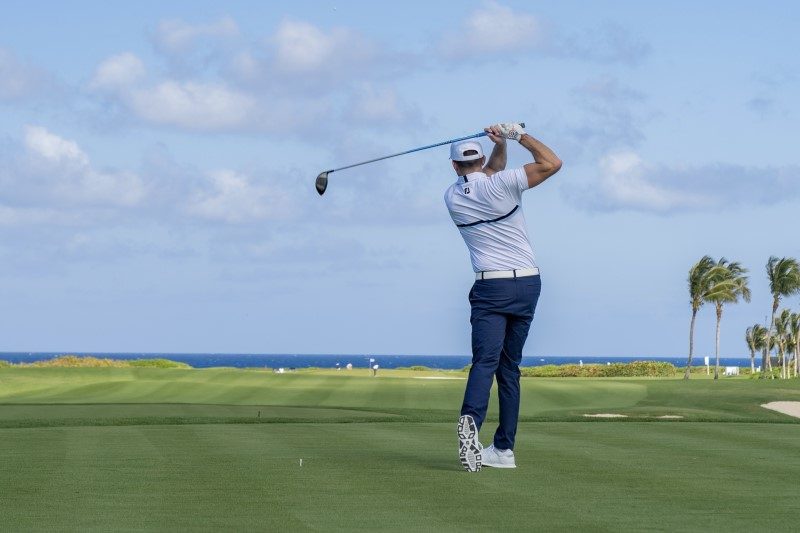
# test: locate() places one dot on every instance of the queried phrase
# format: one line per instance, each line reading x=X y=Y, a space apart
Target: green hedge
x=158 y=363
x=633 y=369
x=75 y=361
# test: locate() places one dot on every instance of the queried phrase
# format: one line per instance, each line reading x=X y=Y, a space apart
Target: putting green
x=155 y=449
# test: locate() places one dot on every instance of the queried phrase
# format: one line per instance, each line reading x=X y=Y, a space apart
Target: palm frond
x=784 y=276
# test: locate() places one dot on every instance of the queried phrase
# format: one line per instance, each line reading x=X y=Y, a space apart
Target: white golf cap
x=463 y=151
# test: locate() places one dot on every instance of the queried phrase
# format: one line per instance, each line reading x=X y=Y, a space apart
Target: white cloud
x=233 y=197
x=626 y=182
x=193 y=106
x=26 y=216
x=17 y=80
x=59 y=170
x=118 y=72
x=607 y=43
x=495 y=31
x=54 y=149
x=491 y=29
x=302 y=47
x=609 y=90
x=200 y=106
x=379 y=106
x=177 y=36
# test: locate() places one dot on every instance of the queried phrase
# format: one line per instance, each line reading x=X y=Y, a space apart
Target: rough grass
x=632 y=369
x=88 y=361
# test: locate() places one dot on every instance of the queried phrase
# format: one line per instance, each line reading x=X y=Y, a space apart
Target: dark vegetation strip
x=429 y=417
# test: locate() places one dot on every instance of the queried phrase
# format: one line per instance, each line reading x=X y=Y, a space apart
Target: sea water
x=288 y=361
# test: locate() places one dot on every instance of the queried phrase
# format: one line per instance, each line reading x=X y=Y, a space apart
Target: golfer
x=485 y=204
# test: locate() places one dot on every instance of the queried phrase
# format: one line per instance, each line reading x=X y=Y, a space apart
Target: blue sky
x=157 y=164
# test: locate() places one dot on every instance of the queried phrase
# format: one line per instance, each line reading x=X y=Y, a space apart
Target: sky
x=157 y=165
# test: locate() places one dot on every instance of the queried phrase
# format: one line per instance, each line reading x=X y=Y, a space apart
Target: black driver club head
x=322 y=182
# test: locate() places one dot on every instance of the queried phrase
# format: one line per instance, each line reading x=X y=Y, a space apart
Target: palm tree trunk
x=688 y=372
x=768 y=357
x=719 y=319
x=782 y=358
x=752 y=362
x=797 y=356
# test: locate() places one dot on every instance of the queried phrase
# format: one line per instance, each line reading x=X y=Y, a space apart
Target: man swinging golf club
x=484 y=203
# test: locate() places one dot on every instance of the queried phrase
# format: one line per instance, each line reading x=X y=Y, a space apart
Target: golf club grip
x=451 y=141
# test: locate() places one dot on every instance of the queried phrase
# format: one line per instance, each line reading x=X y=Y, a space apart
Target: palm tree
x=698 y=288
x=794 y=327
x=784 y=280
x=756 y=338
x=728 y=283
x=765 y=343
x=750 y=339
x=781 y=339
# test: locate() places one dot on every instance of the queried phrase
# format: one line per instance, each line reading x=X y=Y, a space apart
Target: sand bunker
x=670 y=417
x=787 y=408
x=607 y=415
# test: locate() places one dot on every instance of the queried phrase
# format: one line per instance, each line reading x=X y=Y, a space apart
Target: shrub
x=4 y=363
x=75 y=361
x=633 y=369
x=416 y=368
x=157 y=363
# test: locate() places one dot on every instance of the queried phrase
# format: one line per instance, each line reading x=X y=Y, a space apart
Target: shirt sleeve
x=514 y=181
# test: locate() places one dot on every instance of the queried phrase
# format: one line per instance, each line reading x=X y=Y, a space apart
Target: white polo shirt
x=488 y=213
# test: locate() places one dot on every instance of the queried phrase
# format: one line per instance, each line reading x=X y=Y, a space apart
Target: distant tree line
x=724 y=282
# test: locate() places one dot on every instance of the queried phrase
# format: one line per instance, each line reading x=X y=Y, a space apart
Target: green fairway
x=155 y=449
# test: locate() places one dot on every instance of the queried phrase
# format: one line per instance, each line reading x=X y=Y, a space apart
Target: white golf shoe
x=469 y=449
x=495 y=458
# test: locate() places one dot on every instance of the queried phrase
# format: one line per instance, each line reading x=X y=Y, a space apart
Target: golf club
x=322 y=180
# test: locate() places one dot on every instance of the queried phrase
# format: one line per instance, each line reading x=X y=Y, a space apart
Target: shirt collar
x=472 y=176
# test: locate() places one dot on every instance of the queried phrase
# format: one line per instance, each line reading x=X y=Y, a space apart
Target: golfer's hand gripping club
x=321 y=183
x=512 y=131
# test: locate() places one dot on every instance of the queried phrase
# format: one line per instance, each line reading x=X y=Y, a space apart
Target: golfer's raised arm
x=546 y=162
x=497 y=161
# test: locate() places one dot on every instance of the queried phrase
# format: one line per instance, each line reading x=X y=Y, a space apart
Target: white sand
x=787 y=408
x=607 y=415
x=670 y=417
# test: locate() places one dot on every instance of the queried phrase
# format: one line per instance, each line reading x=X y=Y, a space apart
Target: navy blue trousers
x=502 y=312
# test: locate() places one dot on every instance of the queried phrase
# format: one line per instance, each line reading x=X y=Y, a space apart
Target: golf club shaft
x=451 y=141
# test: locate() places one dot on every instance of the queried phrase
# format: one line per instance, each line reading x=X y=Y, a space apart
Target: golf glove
x=509 y=130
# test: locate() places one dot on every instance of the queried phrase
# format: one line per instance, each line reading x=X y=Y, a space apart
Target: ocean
x=289 y=361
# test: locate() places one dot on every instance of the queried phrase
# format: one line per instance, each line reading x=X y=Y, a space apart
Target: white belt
x=497 y=274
